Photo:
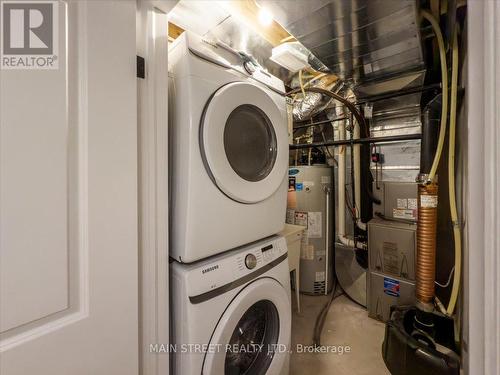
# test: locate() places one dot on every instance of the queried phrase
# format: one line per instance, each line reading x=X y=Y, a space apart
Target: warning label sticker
x=390 y=255
x=314 y=225
x=402 y=203
x=301 y=218
x=412 y=203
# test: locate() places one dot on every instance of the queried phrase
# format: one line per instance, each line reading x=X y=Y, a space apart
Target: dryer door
x=253 y=334
x=244 y=142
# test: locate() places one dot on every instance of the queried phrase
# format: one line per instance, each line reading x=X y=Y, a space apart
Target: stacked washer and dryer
x=230 y=290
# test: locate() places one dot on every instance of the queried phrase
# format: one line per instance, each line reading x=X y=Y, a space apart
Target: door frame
x=152 y=122
x=481 y=280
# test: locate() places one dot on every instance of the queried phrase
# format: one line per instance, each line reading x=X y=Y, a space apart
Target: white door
x=68 y=195
x=244 y=142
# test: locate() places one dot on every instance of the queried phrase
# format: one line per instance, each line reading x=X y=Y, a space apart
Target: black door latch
x=141 y=67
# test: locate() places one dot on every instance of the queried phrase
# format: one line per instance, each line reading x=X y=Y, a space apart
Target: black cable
x=348 y=203
x=372 y=197
x=320 y=319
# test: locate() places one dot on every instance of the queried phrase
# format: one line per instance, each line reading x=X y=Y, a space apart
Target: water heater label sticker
x=299 y=186
x=428 y=201
x=325 y=179
x=314 y=225
x=301 y=218
x=391 y=287
x=290 y=216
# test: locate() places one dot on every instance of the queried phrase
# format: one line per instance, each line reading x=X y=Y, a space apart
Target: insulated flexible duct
x=365 y=130
x=426 y=242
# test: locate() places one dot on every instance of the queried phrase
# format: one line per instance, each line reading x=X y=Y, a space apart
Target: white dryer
x=228 y=150
x=231 y=314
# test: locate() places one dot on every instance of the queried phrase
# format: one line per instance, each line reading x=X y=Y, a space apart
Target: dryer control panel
x=236 y=266
x=222 y=54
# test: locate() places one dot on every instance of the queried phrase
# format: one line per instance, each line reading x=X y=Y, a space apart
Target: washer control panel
x=233 y=265
x=261 y=255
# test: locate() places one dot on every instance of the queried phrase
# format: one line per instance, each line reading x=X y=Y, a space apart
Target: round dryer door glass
x=250 y=142
x=244 y=141
x=254 y=338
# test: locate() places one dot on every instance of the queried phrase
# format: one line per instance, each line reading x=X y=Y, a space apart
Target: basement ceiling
x=234 y=22
x=361 y=40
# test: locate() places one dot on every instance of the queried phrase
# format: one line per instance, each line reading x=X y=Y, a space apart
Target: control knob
x=250 y=261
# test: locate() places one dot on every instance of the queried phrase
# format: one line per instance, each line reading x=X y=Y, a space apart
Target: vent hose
x=426 y=244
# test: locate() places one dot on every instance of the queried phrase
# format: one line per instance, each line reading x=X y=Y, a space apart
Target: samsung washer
x=231 y=314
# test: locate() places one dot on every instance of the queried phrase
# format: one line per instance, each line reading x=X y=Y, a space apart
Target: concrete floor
x=347 y=324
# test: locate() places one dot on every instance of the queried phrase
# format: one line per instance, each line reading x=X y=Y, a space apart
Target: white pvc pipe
x=341 y=215
x=341 y=182
x=357 y=179
x=327 y=239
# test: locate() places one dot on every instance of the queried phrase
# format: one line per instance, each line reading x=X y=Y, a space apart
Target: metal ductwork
x=356 y=39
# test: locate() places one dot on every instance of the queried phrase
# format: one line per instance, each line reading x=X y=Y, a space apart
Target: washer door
x=253 y=334
x=244 y=142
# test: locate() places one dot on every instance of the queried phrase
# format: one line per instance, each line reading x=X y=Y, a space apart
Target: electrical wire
x=328 y=150
x=451 y=178
x=348 y=203
x=448 y=281
x=444 y=79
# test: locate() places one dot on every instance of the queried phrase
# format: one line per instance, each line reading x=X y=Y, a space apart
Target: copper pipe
x=426 y=242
